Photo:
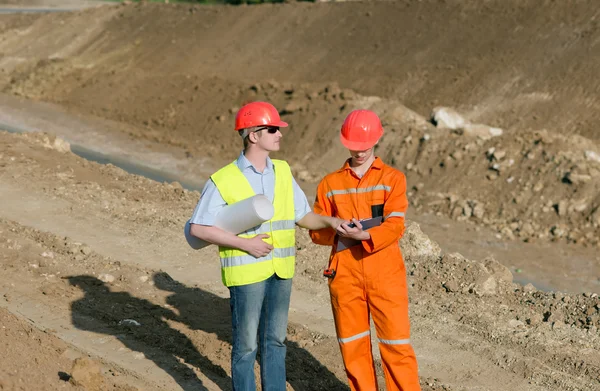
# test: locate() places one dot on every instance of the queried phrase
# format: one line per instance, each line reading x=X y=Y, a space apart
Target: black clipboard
x=344 y=243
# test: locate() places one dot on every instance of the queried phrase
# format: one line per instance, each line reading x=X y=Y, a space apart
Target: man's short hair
x=245 y=132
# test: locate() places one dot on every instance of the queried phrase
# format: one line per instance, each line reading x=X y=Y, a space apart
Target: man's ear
x=253 y=137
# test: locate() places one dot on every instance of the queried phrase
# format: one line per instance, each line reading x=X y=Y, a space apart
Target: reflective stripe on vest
x=237 y=266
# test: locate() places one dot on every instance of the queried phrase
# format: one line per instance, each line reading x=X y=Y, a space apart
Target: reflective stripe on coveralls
x=367 y=333
x=370 y=278
x=237 y=266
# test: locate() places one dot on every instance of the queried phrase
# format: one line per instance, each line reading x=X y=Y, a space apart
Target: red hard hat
x=258 y=114
x=361 y=130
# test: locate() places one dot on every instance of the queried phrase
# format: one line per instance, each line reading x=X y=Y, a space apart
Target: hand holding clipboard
x=345 y=243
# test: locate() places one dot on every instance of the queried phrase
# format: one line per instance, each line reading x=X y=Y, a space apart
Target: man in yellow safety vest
x=258 y=265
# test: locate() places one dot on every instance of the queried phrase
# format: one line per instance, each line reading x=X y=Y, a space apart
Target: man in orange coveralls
x=369 y=277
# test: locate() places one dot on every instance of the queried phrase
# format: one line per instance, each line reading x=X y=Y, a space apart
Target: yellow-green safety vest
x=239 y=267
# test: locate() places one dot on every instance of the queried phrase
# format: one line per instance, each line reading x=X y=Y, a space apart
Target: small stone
x=576 y=179
x=558 y=231
x=467 y=210
x=451 y=286
x=499 y=155
x=592 y=156
x=478 y=211
x=527 y=229
x=86 y=250
x=86 y=373
x=448 y=118
x=130 y=322
x=514 y=323
x=507 y=233
x=456 y=212
x=485 y=286
x=498 y=270
x=177 y=187
x=61 y=145
x=553 y=317
x=143 y=278
x=562 y=207
x=529 y=288
x=457 y=155
x=105 y=277
x=535 y=319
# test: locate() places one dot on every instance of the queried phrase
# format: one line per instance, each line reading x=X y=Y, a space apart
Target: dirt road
x=86 y=247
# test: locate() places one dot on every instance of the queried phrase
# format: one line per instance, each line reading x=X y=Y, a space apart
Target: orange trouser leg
x=388 y=303
x=351 y=315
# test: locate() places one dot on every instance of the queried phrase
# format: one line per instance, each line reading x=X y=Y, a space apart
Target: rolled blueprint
x=237 y=218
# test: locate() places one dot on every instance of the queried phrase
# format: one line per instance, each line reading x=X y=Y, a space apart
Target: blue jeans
x=259 y=315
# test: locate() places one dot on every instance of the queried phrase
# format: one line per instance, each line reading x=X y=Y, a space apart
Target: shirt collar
x=377 y=164
x=243 y=163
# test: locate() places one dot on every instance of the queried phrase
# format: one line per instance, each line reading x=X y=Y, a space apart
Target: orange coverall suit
x=370 y=277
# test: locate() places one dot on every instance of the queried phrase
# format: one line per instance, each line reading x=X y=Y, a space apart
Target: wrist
x=331 y=222
x=242 y=244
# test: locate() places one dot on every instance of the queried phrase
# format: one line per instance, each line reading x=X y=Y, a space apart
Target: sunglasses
x=270 y=129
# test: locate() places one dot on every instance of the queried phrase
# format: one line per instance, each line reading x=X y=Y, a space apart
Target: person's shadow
x=140 y=325
x=202 y=310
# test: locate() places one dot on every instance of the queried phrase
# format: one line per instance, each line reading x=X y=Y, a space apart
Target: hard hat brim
x=357 y=145
x=280 y=124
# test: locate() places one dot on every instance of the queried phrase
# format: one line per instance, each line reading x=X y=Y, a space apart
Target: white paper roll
x=237 y=218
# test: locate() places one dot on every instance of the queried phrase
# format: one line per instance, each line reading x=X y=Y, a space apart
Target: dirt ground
x=100 y=289
x=175 y=75
x=95 y=256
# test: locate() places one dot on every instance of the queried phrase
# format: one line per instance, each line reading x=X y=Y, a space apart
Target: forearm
x=385 y=235
x=217 y=236
x=315 y=222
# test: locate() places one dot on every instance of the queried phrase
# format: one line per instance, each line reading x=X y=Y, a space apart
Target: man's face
x=267 y=138
x=360 y=157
